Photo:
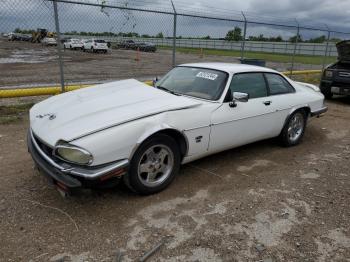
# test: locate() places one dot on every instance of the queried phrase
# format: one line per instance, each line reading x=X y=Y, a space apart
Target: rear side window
x=251 y=83
x=278 y=85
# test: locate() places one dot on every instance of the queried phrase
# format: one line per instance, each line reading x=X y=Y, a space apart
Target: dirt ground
x=260 y=202
x=28 y=64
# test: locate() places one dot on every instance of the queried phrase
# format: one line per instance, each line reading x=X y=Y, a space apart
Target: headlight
x=73 y=154
x=328 y=73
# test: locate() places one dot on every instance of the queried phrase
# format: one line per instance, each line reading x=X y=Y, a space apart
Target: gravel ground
x=28 y=64
x=259 y=202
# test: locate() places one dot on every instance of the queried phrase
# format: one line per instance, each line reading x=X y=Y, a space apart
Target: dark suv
x=336 y=77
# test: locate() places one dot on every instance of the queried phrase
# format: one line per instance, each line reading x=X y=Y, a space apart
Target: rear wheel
x=154 y=165
x=294 y=129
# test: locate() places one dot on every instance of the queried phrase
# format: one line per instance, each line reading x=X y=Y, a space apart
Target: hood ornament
x=51 y=116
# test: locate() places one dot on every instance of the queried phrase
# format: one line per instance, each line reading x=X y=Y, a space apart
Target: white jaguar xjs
x=127 y=129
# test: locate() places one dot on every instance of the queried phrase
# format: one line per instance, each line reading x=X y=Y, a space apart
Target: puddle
x=28 y=56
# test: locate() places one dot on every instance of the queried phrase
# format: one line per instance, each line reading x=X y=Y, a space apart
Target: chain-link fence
x=53 y=44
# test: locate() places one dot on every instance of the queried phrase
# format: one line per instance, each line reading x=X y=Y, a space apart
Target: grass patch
x=272 y=57
x=13 y=113
x=308 y=78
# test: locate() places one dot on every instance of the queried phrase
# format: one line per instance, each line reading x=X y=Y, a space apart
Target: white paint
x=110 y=120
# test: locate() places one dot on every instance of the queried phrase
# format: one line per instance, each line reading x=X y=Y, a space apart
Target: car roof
x=230 y=67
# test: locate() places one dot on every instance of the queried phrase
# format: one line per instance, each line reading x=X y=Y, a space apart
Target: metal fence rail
x=181 y=34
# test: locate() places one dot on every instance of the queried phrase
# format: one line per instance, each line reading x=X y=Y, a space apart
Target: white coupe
x=128 y=130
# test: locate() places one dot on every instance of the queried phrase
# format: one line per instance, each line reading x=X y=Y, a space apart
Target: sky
x=31 y=14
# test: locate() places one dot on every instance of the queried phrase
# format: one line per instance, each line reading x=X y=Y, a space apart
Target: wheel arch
x=305 y=108
x=174 y=133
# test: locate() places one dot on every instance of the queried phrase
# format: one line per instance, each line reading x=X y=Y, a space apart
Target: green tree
x=294 y=38
x=234 y=35
x=320 y=39
x=160 y=35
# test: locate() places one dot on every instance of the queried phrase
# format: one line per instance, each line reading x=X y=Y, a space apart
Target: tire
x=154 y=165
x=294 y=129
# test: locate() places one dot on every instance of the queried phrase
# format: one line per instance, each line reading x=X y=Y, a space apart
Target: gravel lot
x=260 y=202
x=28 y=64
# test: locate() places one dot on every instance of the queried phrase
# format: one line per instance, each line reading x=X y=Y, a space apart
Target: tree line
x=232 y=35
x=236 y=35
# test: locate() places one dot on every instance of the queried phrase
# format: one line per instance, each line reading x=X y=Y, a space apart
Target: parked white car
x=127 y=129
x=95 y=45
x=49 y=41
x=73 y=44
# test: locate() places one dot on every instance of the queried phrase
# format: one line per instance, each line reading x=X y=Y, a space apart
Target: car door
x=282 y=96
x=247 y=121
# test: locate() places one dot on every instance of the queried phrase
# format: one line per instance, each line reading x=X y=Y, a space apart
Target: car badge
x=51 y=116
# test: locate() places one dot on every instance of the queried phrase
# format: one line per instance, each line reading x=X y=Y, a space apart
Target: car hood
x=343 y=49
x=85 y=111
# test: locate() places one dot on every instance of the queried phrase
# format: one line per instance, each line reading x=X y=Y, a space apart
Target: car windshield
x=100 y=41
x=197 y=82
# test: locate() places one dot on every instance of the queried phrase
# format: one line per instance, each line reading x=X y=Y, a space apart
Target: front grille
x=45 y=148
x=344 y=74
x=341 y=84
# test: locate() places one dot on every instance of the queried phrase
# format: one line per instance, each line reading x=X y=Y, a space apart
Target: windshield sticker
x=206 y=75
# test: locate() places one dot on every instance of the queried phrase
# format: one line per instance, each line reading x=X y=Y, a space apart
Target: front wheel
x=154 y=165
x=294 y=129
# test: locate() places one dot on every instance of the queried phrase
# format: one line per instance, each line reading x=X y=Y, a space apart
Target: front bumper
x=69 y=176
x=337 y=88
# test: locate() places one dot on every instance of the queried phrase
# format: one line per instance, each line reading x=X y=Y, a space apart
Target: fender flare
x=293 y=110
x=156 y=129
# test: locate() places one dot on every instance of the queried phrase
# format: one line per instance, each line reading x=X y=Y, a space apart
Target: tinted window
x=100 y=41
x=278 y=85
x=251 y=83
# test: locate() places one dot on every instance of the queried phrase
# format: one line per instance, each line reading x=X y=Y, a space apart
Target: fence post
x=326 y=51
x=295 y=48
x=244 y=36
x=59 y=50
x=174 y=34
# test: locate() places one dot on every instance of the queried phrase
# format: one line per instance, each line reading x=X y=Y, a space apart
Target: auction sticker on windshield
x=207 y=75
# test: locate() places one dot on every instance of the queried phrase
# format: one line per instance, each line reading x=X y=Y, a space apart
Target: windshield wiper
x=167 y=90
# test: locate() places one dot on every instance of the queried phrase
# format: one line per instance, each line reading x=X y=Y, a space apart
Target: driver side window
x=251 y=83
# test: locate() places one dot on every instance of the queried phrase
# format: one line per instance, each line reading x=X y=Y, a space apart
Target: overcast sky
x=316 y=13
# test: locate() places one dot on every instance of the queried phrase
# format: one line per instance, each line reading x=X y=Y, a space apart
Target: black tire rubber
x=283 y=137
x=132 y=180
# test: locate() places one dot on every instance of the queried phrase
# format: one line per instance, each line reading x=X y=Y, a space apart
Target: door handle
x=267 y=103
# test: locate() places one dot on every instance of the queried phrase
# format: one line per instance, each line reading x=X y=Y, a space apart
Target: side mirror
x=240 y=97
x=155 y=80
